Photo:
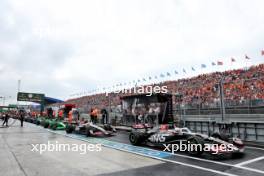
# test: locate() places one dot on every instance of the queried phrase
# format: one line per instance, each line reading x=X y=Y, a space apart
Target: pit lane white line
x=250 y=169
x=224 y=164
x=250 y=161
x=196 y=167
x=256 y=148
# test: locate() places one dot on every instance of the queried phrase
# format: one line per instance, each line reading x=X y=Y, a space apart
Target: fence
x=248 y=131
x=228 y=110
x=242 y=110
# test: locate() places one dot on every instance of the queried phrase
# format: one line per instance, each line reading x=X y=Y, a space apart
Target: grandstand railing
x=229 y=110
x=247 y=131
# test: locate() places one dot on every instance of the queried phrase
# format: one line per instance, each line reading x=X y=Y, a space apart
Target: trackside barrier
x=252 y=131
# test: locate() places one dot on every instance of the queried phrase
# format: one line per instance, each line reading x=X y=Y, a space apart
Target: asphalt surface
x=117 y=157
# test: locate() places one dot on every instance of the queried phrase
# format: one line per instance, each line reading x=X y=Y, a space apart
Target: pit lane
x=253 y=159
x=158 y=162
x=121 y=142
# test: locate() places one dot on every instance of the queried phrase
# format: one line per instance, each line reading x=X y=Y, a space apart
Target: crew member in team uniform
x=6 y=117
x=21 y=117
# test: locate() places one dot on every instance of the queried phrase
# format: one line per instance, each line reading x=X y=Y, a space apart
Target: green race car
x=45 y=122
x=38 y=120
x=56 y=124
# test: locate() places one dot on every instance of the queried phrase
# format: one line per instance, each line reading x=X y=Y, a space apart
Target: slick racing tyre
x=196 y=145
x=221 y=136
x=89 y=132
x=42 y=123
x=107 y=127
x=46 y=124
x=135 y=139
x=69 y=129
x=54 y=127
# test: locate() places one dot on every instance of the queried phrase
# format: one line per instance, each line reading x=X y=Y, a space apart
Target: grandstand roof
x=49 y=100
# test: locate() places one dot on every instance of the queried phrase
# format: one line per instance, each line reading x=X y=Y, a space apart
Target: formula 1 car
x=56 y=124
x=163 y=136
x=29 y=119
x=91 y=129
x=38 y=120
x=45 y=122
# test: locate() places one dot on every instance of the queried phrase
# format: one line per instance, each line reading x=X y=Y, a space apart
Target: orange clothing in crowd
x=60 y=113
x=203 y=90
x=33 y=114
x=70 y=117
x=94 y=112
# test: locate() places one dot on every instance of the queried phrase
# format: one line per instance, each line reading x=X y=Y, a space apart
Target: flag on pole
x=262 y=52
x=161 y=75
x=193 y=69
x=220 y=63
x=184 y=70
x=246 y=57
x=168 y=74
x=213 y=64
x=232 y=59
x=150 y=78
x=175 y=72
x=203 y=66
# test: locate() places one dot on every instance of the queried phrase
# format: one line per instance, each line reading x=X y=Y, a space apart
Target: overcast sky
x=62 y=47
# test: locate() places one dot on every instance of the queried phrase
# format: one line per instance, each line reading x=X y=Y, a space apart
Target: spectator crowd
x=241 y=87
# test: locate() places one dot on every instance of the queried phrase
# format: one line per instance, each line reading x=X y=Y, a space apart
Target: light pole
x=3 y=98
x=18 y=90
x=109 y=108
x=18 y=85
x=222 y=97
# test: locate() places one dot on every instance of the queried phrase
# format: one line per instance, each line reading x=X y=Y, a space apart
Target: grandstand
x=242 y=88
x=197 y=101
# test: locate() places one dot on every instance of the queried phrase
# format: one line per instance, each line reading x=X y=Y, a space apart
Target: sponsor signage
x=32 y=97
